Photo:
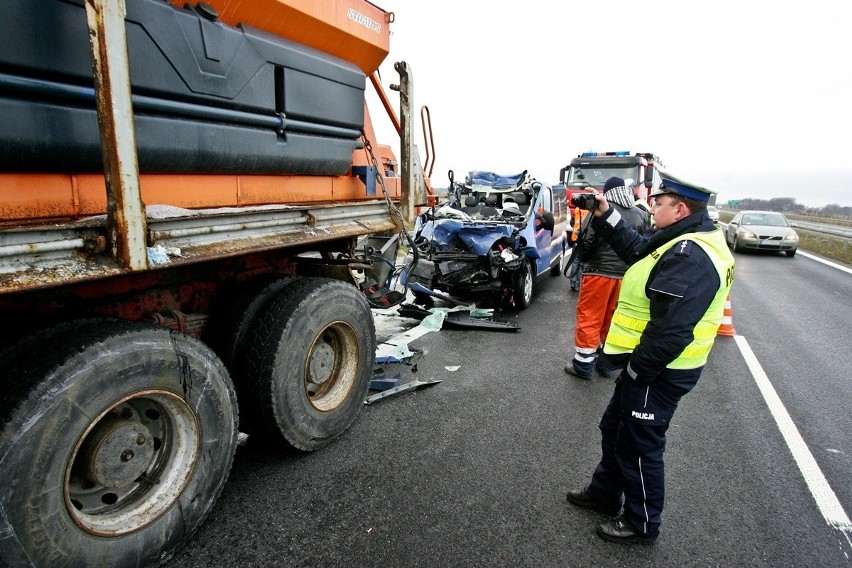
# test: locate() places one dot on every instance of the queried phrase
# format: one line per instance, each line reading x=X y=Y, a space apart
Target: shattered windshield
x=489 y=197
x=597 y=174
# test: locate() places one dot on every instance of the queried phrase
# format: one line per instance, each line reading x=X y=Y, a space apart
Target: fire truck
x=195 y=219
x=592 y=169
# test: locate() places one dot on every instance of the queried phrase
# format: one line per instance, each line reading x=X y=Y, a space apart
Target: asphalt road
x=473 y=471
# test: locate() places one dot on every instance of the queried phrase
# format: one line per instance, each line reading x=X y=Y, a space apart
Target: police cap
x=671 y=184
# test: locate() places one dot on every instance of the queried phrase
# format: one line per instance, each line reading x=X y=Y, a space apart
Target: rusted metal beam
x=126 y=222
x=413 y=186
x=383 y=97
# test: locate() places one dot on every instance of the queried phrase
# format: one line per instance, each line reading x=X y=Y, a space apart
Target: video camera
x=585 y=201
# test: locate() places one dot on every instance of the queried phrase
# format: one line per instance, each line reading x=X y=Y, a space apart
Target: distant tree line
x=789 y=205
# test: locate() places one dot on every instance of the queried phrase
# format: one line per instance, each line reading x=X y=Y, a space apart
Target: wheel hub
x=117 y=452
x=132 y=463
x=322 y=363
x=331 y=366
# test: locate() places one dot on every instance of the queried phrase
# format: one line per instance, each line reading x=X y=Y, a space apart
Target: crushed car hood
x=477 y=238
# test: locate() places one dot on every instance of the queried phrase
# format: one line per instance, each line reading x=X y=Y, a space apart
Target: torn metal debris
x=458 y=319
x=401 y=388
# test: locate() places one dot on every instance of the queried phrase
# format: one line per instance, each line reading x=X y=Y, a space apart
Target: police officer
x=669 y=310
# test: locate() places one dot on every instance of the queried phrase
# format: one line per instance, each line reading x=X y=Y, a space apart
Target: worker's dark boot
x=583 y=498
x=617 y=530
x=580 y=370
x=572 y=370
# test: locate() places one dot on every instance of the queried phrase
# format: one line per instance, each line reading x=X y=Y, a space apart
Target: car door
x=547 y=241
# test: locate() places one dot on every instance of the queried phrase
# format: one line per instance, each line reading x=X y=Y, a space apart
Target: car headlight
x=748 y=235
x=791 y=236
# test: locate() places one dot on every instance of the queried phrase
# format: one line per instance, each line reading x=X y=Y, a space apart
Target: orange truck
x=195 y=219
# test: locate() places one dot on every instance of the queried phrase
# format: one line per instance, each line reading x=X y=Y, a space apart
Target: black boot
x=582 y=498
x=617 y=530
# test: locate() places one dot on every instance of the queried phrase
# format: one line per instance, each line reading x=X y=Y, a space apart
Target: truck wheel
x=522 y=289
x=228 y=333
x=310 y=361
x=126 y=433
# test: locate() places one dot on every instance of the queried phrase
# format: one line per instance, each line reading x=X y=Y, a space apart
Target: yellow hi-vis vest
x=634 y=308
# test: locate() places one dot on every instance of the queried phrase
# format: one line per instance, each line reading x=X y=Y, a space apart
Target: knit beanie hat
x=613 y=182
x=616 y=192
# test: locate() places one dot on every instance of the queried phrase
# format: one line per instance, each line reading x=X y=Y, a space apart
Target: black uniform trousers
x=633 y=439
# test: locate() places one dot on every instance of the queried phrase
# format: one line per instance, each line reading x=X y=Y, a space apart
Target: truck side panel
x=354 y=31
x=61 y=196
x=208 y=98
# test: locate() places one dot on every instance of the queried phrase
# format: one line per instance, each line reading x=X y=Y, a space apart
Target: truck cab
x=592 y=169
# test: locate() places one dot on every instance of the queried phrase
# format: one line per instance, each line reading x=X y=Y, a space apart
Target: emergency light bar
x=594 y=154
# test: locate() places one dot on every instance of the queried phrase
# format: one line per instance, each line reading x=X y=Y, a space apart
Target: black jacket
x=596 y=255
x=680 y=288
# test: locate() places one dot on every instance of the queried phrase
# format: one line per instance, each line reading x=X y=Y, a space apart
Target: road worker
x=600 y=282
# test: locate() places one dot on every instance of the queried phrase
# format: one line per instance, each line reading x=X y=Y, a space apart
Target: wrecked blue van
x=490 y=240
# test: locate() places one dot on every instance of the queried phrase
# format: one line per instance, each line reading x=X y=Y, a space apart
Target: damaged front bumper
x=466 y=260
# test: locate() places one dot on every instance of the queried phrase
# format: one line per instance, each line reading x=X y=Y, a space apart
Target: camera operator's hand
x=603 y=205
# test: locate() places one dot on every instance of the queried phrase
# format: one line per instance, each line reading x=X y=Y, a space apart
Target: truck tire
x=309 y=362
x=116 y=440
x=228 y=332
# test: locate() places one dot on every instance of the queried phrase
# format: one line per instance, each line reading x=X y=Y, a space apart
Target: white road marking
x=826 y=262
x=822 y=492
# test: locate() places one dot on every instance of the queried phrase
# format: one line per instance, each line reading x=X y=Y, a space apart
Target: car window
x=767 y=219
x=776 y=221
x=546 y=200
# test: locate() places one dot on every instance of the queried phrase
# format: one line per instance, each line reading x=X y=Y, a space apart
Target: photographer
x=602 y=271
x=668 y=315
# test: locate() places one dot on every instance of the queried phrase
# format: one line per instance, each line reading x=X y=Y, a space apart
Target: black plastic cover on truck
x=207 y=97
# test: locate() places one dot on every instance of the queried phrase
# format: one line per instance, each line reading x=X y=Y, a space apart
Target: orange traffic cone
x=727 y=327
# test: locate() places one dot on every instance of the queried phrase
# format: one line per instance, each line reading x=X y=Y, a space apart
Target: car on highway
x=713 y=213
x=761 y=230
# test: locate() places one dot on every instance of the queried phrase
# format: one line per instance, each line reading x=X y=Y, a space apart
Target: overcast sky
x=750 y=98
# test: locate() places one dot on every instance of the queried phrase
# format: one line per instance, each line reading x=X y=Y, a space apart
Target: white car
x=713 y=213
x=761 y=230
